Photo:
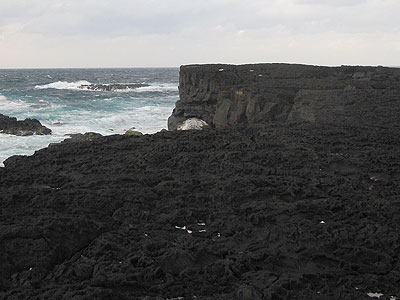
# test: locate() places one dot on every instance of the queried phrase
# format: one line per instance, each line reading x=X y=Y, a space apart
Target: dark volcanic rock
x=271 y=211
x=113 y=87
x=10 y=125
x=79 y=137
x=224 y=95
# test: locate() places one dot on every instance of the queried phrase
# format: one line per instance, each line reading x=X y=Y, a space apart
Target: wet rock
x=175 y=120
x=79 y=137
x=112 y=87
x=10 y=125
x=13 y=160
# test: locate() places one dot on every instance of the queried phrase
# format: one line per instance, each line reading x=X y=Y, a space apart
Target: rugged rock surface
x=224 y=95
x=271 y=211
x=10 y=125
x=87 y=136
x=112 y=87
x=305 y=206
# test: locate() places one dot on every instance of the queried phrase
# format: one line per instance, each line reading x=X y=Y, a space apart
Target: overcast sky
x=131 y=33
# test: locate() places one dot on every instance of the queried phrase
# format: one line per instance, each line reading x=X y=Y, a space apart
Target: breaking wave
x=158 y=88
x=64 y=85
x=84 y=85
x=7 y=105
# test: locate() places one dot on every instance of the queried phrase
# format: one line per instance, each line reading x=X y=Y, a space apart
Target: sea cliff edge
x=226 y=95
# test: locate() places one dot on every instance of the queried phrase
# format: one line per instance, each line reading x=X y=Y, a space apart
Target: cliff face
x=224 y=95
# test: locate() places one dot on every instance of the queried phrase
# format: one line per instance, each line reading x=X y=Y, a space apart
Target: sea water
x=54 y=97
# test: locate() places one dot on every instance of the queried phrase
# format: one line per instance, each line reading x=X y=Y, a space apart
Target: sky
x=170 y=33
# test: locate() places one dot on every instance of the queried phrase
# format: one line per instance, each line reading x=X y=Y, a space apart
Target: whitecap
x=8 y=105
x=146 y=119
x=27 y=145
x=158 y=88
x=64 y=85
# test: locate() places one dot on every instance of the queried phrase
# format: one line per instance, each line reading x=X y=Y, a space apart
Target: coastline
x=56 y=98
x=270 y=209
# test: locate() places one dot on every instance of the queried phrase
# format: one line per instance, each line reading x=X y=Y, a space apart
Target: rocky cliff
x=272 y=210
x=224 y=95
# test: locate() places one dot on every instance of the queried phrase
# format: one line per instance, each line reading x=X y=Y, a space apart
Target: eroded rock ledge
x=26 y=127
x=224 y=95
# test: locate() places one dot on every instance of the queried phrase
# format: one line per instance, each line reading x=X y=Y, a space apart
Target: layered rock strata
x=225 y=95
x=10 y=125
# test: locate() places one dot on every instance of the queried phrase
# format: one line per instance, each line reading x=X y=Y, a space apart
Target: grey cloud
x=336 y=3
x=106 y=17
x=199 y=26
x=122 y=17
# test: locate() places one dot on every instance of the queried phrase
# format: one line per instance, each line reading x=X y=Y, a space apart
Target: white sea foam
x=27 y=145
x=8 y=105
x=146 y=108
x=64 y=85
x=157 y=88
x=77 y=85
x=147 y=119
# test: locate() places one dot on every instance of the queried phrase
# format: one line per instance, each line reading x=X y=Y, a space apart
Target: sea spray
x=55 y=98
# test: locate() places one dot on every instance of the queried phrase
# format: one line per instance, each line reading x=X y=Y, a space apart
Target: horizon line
x=177 y=67
x=64 y=68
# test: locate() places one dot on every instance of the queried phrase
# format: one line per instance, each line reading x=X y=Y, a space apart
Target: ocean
x=59 y=100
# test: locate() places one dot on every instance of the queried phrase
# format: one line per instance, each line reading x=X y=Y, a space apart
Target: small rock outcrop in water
x=113 y=87
x=79 y=137
x=224 y=95
x=10 y=125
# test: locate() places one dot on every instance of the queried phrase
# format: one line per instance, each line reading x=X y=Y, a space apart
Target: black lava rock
x=268 y=211
x=11 y=125
x=112 y=87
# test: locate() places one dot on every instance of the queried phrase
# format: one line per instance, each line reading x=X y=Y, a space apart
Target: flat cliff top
x=308 y=70
x=290 y=76
x=268 y=211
